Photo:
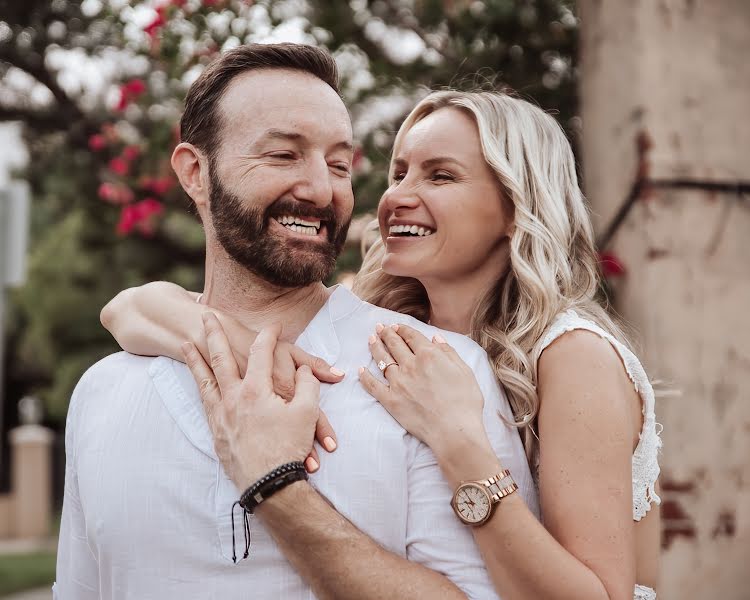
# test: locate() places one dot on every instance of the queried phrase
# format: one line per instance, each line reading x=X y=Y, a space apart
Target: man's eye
x=398 y=176
x=283 y=155
x=342 y=168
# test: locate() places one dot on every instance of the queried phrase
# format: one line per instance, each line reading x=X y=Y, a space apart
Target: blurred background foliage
x=98 y=86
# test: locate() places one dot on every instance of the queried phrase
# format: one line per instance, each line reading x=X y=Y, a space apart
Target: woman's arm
x=155 y=319
x=587 y=550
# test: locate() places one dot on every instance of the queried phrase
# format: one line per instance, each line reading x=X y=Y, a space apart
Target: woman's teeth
x=300 y=225
x=410 y=230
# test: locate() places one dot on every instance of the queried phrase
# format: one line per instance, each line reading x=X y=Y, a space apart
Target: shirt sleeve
x=77 y=576
x=434 y=535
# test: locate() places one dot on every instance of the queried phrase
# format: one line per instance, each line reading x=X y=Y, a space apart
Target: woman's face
x=444 y=217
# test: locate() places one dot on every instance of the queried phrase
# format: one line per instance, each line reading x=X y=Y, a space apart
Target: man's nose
x=314 y=184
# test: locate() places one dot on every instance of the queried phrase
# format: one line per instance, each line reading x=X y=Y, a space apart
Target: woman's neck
x=453 y=301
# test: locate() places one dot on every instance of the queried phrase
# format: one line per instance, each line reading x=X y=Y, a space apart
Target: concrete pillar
x=31 y=481
x=675 y=75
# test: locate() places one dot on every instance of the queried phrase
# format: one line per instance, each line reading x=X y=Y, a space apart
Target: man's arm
x=77 y=568
x=336 y=559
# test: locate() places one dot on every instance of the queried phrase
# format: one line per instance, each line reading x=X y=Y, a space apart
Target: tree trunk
x=673 y=78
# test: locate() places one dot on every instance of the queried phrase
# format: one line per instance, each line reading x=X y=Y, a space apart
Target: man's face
x=280 y=187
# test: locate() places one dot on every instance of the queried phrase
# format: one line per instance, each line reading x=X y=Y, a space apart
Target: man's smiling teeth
x=300 y=225
x=411 y=230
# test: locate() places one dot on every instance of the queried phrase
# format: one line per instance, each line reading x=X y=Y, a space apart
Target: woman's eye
x=398 y=177
x=283 y=155
x=442 y=176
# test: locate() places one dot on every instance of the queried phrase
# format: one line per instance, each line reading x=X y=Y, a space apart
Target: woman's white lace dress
x=645 y=456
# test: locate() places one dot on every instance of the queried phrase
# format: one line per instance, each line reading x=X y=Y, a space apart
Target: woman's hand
x=255 y=429
x=431 y=392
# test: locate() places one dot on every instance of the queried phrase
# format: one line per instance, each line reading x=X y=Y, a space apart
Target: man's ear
x=191 y=168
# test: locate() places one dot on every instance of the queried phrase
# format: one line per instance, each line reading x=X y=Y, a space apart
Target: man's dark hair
x=201 y=124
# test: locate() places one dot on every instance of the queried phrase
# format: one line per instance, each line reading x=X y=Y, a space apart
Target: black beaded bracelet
x=268 y=485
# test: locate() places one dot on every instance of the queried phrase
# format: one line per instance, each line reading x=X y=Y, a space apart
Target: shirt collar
x=176 y=387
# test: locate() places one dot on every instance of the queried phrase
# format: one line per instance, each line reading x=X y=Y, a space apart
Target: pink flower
x=135 y=87
x=130 y=153
x=115 y=193
x=158 y=185
x=119 y=166
x=129 y=92
x=140 y=216
x=97 y=142
x=158 y=22
x=149 y=207
x=611 y=265
x=128 y=219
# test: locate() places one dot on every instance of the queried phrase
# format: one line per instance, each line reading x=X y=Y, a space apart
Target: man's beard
x=285 y=262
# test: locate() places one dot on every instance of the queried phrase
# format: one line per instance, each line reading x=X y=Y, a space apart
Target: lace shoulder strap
x=645 y=457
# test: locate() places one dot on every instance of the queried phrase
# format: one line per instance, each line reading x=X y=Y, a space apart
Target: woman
x=485 y=232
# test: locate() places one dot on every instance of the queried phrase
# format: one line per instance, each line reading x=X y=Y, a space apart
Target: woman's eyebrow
x=439 y=160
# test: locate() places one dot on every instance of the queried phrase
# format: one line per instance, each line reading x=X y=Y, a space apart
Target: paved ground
x=38 y=594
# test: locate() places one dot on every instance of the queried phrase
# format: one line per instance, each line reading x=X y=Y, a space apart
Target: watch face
x=472 y=503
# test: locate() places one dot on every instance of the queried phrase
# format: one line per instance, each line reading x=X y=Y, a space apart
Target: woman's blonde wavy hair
x=553 y=261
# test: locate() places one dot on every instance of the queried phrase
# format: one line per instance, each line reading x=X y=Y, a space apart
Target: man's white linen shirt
x=147 y=508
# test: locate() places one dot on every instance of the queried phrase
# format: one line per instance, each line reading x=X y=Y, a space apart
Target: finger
x=260 y=359
x=379 y=353
x=223 y=363
x=439 y=341
x=413 y=338
x=377 y=389
x=284 y=373
x=396 y=347
x=203 y=375
x=307 y=387
x=312 y=462
x=320 y=368
x=324 y=433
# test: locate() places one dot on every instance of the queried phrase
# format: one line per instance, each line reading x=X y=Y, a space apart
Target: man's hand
x=255 y=429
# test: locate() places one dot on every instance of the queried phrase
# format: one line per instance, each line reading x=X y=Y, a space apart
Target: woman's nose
x=401 y=195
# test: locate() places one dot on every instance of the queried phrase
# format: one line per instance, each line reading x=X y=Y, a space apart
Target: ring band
x=382 y=365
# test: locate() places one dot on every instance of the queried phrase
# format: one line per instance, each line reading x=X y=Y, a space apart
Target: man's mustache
x=303 y=210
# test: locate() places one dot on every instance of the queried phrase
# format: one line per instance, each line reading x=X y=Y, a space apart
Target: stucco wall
x=677 y=74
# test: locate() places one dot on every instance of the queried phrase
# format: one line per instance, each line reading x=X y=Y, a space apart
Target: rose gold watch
x=474 y=501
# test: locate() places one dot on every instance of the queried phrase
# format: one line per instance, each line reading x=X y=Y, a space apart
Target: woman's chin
x=399 y=266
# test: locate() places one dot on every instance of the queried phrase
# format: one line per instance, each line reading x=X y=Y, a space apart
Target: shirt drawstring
x=247 y=534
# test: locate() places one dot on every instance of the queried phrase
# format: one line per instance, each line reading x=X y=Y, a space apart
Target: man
x=148 y=509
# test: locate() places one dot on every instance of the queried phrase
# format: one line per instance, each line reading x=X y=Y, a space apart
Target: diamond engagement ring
x=382 y=365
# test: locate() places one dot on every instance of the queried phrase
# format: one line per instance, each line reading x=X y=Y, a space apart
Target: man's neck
x=255 y=303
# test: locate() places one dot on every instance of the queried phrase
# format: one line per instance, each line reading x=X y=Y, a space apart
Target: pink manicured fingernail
x=372 y=339
x=329 y=443
x=311 y=464
x=439 y=339
x=361 y=370
x=379 y=327
x=337 y=372
x=394 y=327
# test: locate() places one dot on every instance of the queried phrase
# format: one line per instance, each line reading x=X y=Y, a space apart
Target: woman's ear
x=191 y=168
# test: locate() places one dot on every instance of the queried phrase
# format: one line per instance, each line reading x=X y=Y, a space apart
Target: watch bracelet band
x=499 y=486
x=271 y=483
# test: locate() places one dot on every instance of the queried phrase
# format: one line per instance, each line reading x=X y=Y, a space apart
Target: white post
x=14 y=231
